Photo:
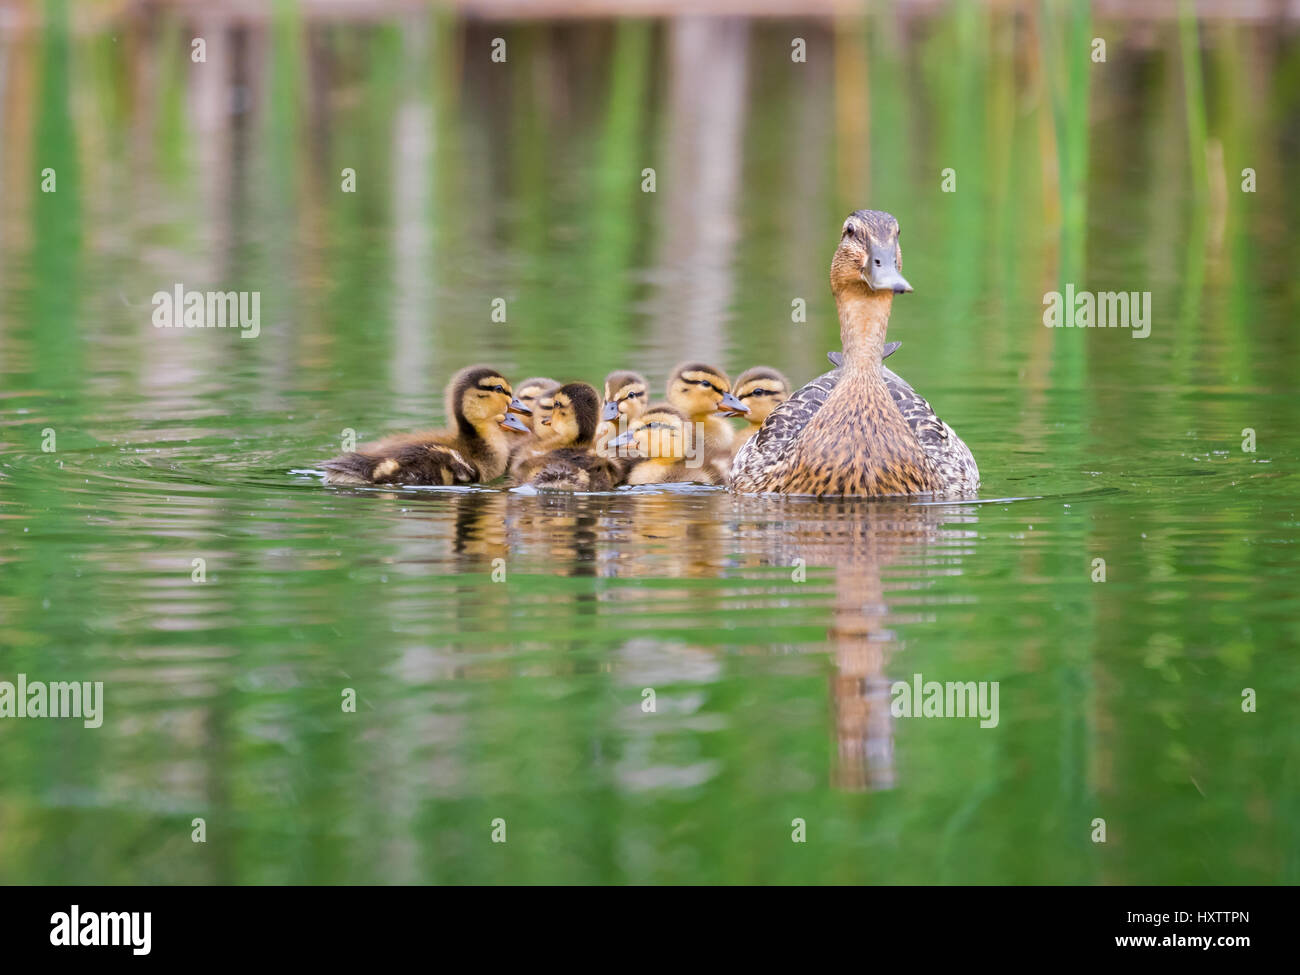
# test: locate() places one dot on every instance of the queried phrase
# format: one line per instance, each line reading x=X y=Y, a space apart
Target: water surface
x=501 y=646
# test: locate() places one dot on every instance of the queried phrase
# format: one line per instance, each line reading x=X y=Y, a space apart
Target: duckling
x=762 y=389
x=529 y=392
x=525 y=450
x=703 y=393
x=664 y=443
x=569 y=463
x=854 y=431
x=475 y=449
x=625 y=400
x=545 y=403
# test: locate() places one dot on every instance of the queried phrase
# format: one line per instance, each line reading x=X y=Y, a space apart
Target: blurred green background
x=521 y=699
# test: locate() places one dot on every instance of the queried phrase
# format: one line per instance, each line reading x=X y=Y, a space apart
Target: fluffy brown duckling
x=529 y=392
x=474 y=449
x=625 y=399
x=665 y=449
x=703 y=393
x=568 y=461
x=762 y=389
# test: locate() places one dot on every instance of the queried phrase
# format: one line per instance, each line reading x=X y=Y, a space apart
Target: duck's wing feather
x=783 y=425
x=940 y=442
x=837 y=358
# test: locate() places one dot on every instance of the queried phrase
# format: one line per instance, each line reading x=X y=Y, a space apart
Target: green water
x=522 y=699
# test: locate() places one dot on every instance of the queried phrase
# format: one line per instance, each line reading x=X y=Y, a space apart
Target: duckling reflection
x=864 y=545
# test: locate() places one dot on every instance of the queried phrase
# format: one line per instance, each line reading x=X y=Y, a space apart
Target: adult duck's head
x=698 y=390
x=869 y=255
x=625 y=395
x=573 y=417
x=762 y=389
x=477 y=395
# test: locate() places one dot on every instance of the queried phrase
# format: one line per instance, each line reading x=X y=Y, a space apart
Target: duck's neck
x=492 y=441
x=864 y=318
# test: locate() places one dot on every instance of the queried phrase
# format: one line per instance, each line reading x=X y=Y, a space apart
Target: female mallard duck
x=475 y=449
x=569 y=462
x=703 y=393
x=762 y=389
x=625 y=400
x=529 y=392
x=663 y=443
x=854 y=431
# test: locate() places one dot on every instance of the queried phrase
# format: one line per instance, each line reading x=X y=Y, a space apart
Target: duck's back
x=947 y=451
x=778 y=458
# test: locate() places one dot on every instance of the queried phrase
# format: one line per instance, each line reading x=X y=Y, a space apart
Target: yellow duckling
x=529 y=392
x=568 y=461
x=703 y=393
x=625 y=400
x=665 y=449
x=762 y=389
x=475 y=449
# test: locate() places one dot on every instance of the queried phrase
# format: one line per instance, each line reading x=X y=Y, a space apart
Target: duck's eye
x=877 y=262
x=502 y=389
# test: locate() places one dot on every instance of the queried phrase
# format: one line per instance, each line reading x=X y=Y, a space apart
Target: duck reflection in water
x=872 y=549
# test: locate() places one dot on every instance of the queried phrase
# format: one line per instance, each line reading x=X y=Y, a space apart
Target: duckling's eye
x=502 y=389
x=877 y=262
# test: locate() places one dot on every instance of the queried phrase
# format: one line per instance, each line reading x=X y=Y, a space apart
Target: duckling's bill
x=512 y=422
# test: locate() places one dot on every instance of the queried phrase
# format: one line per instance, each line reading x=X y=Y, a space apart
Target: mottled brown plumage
x=475 y=449
x=855 y=431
